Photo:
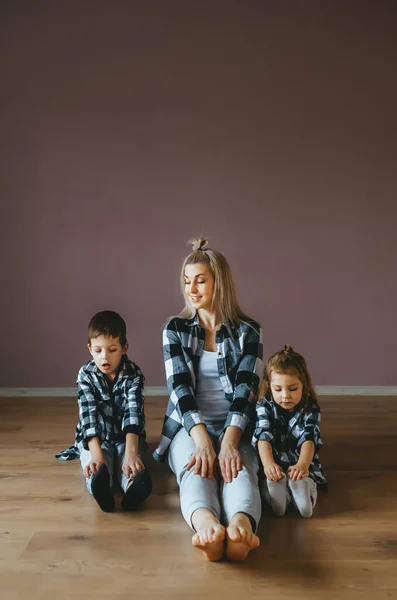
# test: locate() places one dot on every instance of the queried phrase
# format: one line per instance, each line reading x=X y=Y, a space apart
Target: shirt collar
x=123 y=371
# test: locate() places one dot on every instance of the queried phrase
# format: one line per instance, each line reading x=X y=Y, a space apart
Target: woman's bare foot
x=240 y=539
x=210 y=536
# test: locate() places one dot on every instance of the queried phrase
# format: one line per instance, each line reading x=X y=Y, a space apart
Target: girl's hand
x=230 y=462
x=203 y=459
x=298 y=471
x=132 y=464
x=97 y=459
x=273 y=471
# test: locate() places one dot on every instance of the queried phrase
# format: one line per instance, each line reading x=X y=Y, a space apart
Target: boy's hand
x=273 y=471
x=132 y=465
x=298 y=471
x=97 y=459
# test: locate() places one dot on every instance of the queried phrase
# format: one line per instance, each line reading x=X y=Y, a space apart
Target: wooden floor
x=56 y=544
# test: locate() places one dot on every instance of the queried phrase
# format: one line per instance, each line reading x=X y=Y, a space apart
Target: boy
x=110 y=435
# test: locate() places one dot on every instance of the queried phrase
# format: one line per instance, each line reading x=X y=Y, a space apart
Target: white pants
x=279 y=494
x=114 y=456
x=223 y=499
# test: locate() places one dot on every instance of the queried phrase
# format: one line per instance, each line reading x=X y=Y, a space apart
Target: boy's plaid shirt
x=110 y=412
x=287 y=438
x=239 y=365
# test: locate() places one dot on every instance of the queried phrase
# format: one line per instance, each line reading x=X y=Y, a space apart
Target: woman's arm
x=179 y=379
x=247 y=378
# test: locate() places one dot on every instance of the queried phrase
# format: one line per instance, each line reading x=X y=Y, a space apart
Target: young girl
x=287 y=434
x=213 y=359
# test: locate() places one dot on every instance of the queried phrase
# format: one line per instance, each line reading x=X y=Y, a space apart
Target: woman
x=213 y=359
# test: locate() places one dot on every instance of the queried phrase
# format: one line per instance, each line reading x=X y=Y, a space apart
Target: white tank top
x=210 y=396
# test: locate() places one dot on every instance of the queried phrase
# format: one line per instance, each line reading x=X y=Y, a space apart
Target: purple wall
x=270 y=127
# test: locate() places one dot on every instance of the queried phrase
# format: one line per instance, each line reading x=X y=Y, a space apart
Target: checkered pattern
x=287 y=437
x=108 y=412
x=239 y=349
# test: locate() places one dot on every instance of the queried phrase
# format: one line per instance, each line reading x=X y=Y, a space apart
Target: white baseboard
x=322 y=390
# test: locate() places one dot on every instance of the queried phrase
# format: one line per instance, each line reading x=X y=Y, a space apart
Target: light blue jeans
x=223 y=499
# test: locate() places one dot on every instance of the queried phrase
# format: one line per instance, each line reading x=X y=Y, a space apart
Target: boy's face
x=107 y=352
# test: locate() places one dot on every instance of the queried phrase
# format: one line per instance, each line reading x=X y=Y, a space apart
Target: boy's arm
x=97 y=457
x=132 y=462
x=88 y=412
x=133 y=413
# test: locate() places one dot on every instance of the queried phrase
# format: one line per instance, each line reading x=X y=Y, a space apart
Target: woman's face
x=199 y=285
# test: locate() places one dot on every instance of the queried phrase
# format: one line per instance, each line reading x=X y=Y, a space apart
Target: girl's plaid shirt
x=110 y=413
x=287 y=438
x=239 y=352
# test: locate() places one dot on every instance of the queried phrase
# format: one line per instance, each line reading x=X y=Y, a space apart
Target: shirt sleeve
x=247 y=379
x=311 y=430
x=88 y=412
x=179 y=380
x=264 y=427
x=134 y=414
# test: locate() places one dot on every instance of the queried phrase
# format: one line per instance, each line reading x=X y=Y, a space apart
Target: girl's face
x=199 y=285
x=286 y=389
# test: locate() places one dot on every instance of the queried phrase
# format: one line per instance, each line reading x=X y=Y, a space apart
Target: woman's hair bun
x=198 y=243
x=288 y=349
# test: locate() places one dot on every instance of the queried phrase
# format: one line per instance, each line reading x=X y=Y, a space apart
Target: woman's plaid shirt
x=110 y=412
x=287 y=437
x=239 y=349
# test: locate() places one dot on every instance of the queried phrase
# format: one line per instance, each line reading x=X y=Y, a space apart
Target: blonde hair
x=224 y=299
x=287 y=361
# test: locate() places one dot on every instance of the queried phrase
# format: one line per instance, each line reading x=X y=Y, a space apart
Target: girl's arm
x=308 y=444
x=301 y=469
x=263 y=439
x=272 y=470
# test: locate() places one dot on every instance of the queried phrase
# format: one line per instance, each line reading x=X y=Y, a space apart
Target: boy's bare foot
x=240 y=539
x=210 y=536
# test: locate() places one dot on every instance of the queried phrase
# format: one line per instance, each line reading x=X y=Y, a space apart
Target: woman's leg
x=199 y=498
x=242 y=505
x=304 y=495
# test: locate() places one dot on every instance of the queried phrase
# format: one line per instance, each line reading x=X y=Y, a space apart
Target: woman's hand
x=298 y=471
x=203 y=459
x=132 y=464
x=230 y=462
x=273 y=471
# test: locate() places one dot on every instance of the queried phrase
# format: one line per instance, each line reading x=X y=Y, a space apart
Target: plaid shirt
x=239 y=366
x=287 y=438
x=110 y=412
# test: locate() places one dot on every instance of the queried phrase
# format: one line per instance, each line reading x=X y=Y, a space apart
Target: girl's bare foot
x=240 y=539
x=210 y=534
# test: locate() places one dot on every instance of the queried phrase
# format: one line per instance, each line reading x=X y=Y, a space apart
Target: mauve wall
x=127 y=127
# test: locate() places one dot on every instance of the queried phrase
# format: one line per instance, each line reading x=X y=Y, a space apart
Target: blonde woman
x=213 y=360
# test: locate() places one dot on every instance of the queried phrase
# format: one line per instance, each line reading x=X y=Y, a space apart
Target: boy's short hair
x=109 y=323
